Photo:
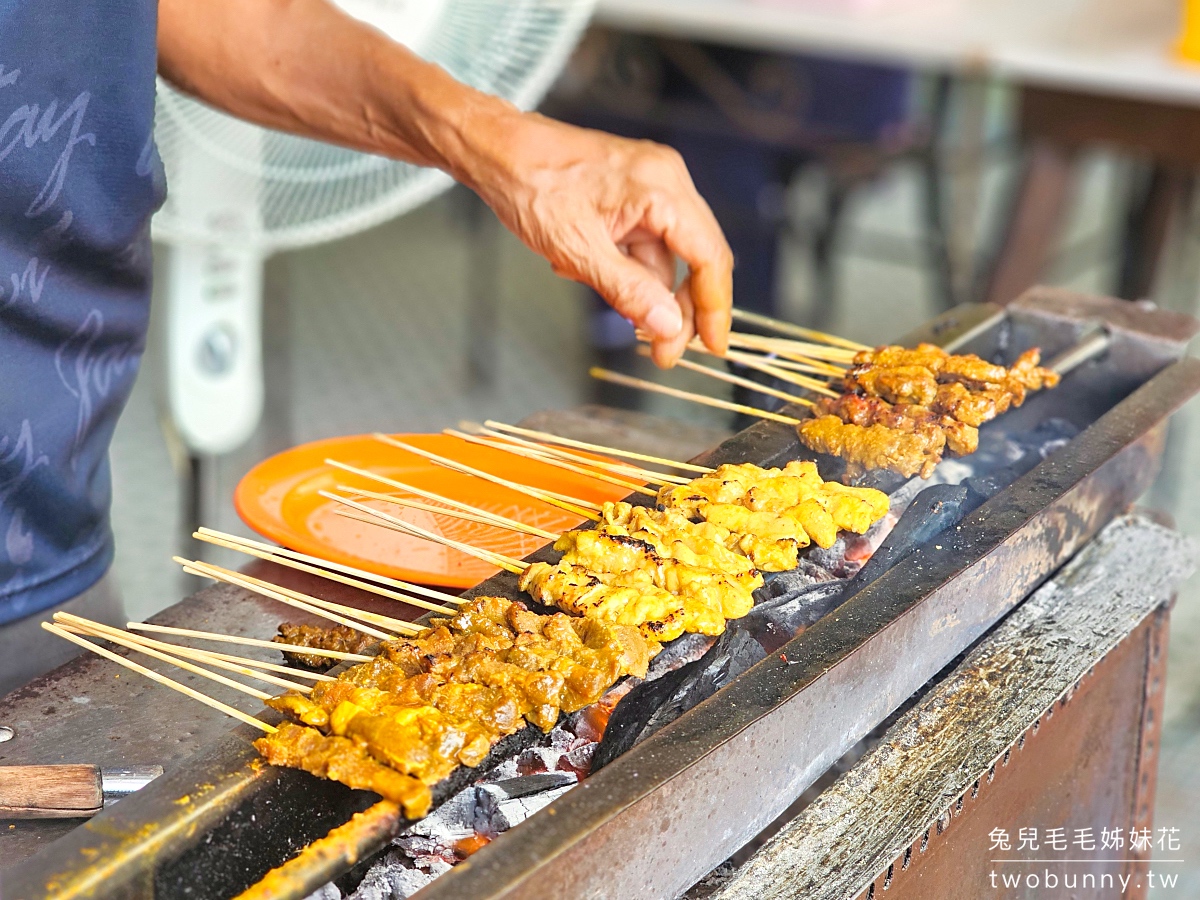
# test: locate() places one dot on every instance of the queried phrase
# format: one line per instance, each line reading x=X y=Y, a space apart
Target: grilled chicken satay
x=406 y=719
x=791 y=503
x=674 y=536
x=657 y=614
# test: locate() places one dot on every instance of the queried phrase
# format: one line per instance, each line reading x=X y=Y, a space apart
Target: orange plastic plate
x=279 y=499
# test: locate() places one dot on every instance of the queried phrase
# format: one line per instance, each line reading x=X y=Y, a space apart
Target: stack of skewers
x=419 y=701
x=889 y=408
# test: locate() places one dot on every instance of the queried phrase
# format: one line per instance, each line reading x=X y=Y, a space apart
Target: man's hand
x=614 y=214
x=609 y=212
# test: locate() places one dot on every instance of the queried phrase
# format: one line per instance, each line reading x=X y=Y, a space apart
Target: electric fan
x=238 y=193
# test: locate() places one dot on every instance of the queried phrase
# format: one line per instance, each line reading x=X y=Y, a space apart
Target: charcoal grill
x=665 y=813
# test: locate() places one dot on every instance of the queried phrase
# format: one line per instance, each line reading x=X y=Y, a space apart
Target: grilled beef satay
x=406 y=719
x=335 y=637
x=961 y=439
x=875 y=447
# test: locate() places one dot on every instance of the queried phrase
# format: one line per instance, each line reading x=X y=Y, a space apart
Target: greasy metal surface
x=92 y=711
x=1075 y=768
x=739 y=751
x=635 y=829
x=1006 y=690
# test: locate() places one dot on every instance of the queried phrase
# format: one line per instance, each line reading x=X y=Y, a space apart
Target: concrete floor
x=376 y=331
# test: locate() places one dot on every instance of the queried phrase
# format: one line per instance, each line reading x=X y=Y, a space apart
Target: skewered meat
x=341 y=759
x=792 y=504
x=674 y=536
x=961 y=439
x=1028 y=372
x=338 y=637
x=898 y=384
x=875 y=447
x=657 y=614
x=407 y=718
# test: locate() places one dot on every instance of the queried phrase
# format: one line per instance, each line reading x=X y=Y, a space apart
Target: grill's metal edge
x=660 y=817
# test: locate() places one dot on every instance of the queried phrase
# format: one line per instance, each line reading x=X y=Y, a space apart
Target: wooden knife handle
x=50 y=792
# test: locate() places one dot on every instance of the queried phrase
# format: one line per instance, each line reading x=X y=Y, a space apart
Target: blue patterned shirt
x=79 y=180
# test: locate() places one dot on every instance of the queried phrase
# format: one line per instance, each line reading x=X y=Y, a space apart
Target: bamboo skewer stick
x=551 y=461
x=515 y=567
x=196 y=567
x=598 y=448
x=581 y=508
x=430 y=495
x=770 y=368
x=797 y=331
x=284 y=557
x=259 y=664
x=245 y=641
x=391 y=623
x=792 y=348
x=814 y=367
x=481 y=517
x=94 y=631
x=137 y=642
x=730 y=378
x=628 y=381
x=496 y=559
x=161 y=679
x=617 y=468
x=250 y=550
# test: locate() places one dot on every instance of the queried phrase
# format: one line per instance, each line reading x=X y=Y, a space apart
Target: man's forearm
x=304 y=67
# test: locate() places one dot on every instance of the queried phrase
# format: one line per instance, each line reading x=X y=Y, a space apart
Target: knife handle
x=50 y=792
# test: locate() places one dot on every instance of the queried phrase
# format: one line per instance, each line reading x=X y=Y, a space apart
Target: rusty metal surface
x=995 y=713
x=622 y=832
x=1074 y=768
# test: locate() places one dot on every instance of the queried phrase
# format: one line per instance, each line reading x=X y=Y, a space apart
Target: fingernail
x=665 y=320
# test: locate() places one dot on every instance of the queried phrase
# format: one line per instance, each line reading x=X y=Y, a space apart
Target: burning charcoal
x=394 y=877
x=653 y=704
x=933 y=511
x=544 y=758
x=680 y=652
x=778 y=619
x=578 y=761
x=500 y=806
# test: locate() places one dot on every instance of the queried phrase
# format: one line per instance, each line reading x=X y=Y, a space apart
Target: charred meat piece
x=337 y=637
x=875 y=447
x=898 y=384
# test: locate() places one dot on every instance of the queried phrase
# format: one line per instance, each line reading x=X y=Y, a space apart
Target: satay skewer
x=497 y=559
x=160 y=679
x=581 y=508
x=196 y=567
x=797 y=331
x=428 y=495
x=165 y=650
x=480 y=517
x=816 y=385
x=249 y=548
x=550 y=438
x=551 y=461
x=642 y=384
x=514 y=566
x=747 y=383
x=793 y=348
x=178 y=662
x=244 y=641
x=617 y=468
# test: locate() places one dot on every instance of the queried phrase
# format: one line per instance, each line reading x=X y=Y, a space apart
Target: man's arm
x=610 y=212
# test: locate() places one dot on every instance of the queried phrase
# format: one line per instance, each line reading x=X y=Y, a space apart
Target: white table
x=1114 y=47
